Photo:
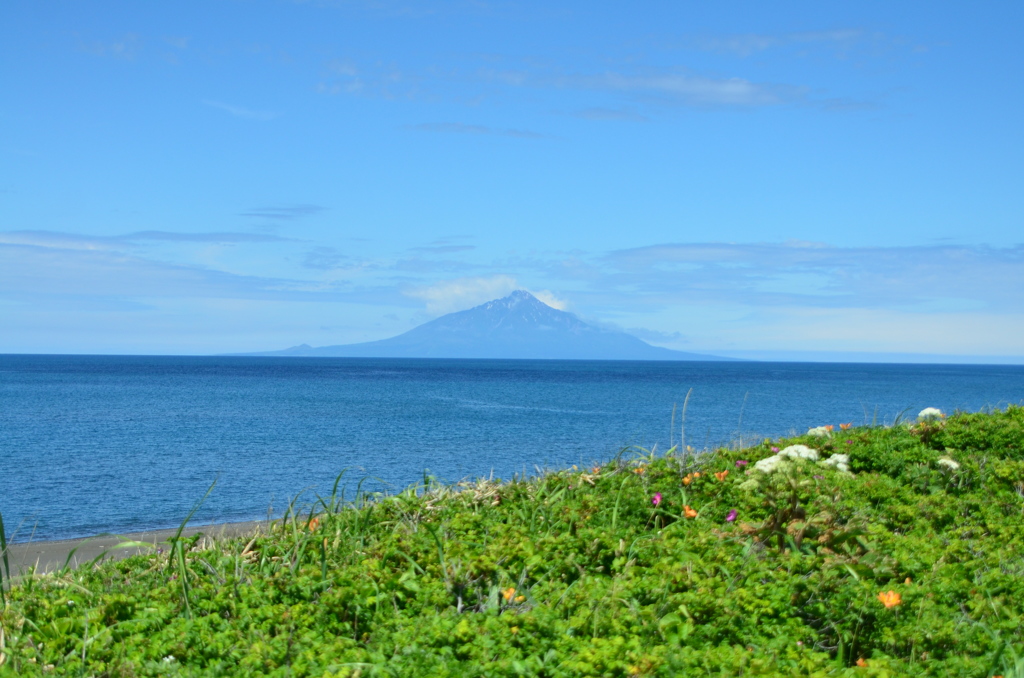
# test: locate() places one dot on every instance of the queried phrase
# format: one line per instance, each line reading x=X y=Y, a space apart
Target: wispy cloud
x=218 y=237
x=41 y=273
x=460 y=128
x=283 y=212
x=658 y=336
x=178 y=42
x=444 y=249
x=324 y=259
x=241 y=112
x=695 y=90
x=551 y=299
x=940 y=277
x=374 y=79
x=454 y=295
x=125 y=47
x=610 y=114
x=676 y=85
x=622 y=87
x=747 y=44
x=76 y=241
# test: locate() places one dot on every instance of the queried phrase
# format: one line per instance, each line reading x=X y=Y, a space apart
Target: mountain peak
x=514 y=299
x=516 y=326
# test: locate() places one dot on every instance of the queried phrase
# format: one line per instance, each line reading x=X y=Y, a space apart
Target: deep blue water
x=112 y=443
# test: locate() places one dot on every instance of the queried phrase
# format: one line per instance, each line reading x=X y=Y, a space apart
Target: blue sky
x=800 y=179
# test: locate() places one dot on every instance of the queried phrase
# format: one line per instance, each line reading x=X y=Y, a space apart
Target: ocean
x=92 y=444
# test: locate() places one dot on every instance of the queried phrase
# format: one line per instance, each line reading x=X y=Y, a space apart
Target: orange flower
x=508 y=593
x=688 y=479
x=721 y=475
x=595 y=470
x=313 y=524
x=844 y=427
x=696 y=474
x=829 y=427
x=889 y=598
x=639 y=470
x=689 y=512
x=862 y=662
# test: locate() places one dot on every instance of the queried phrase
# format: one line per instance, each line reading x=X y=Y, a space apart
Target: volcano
x=518 y=326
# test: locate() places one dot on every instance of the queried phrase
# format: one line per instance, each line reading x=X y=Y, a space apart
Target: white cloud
x=76 y=241
x=875 y=330
x=447 y=296
x=549 y=298
x=240 y=112
x=744 y=45
x=701 y=91
x=125 y=48
x=924 y=278
x=460 y=128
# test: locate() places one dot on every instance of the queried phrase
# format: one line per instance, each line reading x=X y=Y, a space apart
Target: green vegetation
x=905 y=558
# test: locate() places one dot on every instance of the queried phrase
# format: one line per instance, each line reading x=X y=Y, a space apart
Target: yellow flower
x=889 y=598
x=508 y=593
x=515 y=630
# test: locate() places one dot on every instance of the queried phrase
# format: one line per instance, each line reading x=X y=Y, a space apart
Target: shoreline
x=49 y=556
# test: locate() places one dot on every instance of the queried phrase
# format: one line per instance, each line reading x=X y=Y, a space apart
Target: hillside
x=516 y=326
x=843 y=552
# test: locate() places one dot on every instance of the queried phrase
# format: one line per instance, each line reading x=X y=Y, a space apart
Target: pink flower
x=731 y=517
x=656 y=499
x=740 y=463
x=775 y=450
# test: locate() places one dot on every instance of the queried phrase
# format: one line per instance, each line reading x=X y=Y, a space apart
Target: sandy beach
x=47 y=556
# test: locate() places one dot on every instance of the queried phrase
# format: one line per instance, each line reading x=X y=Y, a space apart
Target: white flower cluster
x=819 y=432
x=946 y=462
x=841 y=462
x=769 y=464
x=930 y=414
x=799 y=452
x=774 y=462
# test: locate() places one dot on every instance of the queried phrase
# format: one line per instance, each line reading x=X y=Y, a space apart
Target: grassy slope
x=605 y=583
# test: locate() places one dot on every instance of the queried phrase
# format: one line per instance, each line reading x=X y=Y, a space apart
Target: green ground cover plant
x=870 y=551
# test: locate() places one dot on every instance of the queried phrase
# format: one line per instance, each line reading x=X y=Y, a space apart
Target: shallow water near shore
x=92 y=444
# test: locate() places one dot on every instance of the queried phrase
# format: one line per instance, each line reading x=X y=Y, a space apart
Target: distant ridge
x=516 y=326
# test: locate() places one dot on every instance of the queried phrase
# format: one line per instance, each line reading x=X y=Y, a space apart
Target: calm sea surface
x=90 y=444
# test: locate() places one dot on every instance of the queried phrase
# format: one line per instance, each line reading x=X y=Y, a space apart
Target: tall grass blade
x=7 y=564
x=682 y=424
x=178 y=550
x=195 y=508
x=672 y=428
